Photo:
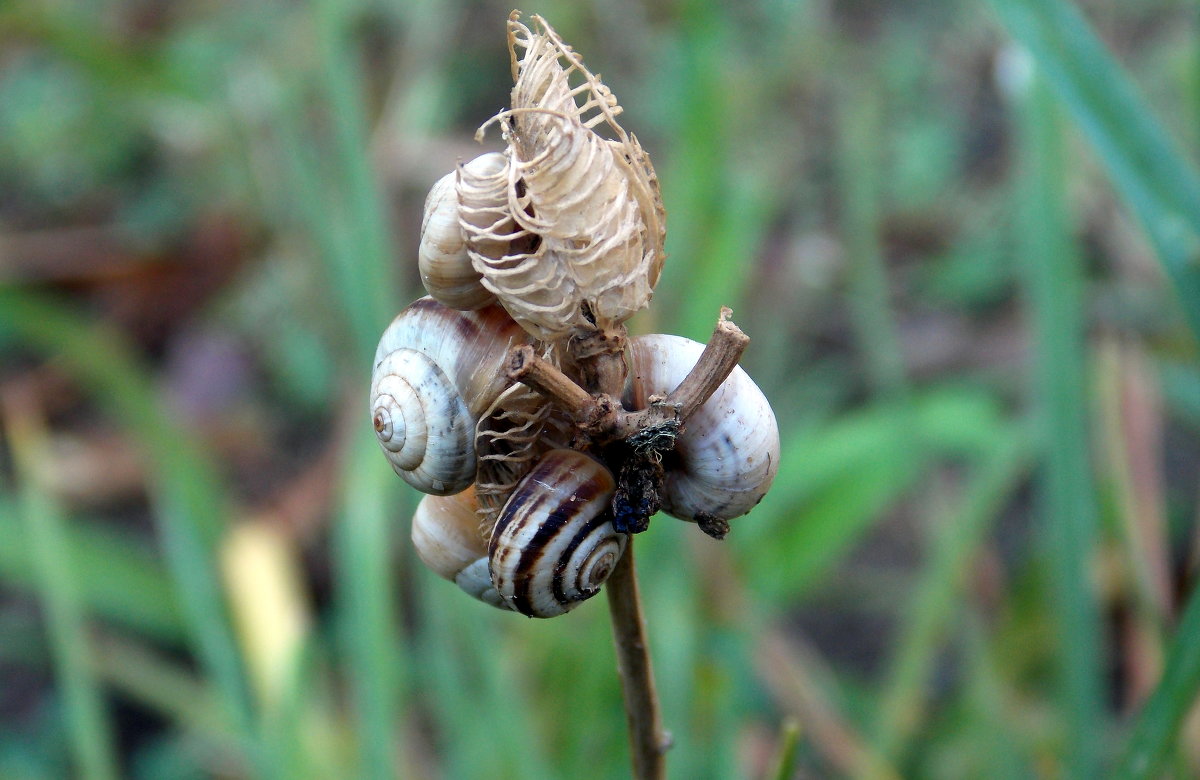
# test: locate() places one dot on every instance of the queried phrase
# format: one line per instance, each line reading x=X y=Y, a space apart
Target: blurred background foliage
x=964 y=237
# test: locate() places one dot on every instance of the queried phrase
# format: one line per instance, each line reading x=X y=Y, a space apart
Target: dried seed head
x=578 y=245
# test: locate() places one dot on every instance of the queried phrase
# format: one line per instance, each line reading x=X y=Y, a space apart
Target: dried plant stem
x=647 y=741
x=599 y=416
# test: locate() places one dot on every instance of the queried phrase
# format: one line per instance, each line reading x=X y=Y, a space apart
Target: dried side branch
x=526 y=367
x=602 y=417
x=719 y=358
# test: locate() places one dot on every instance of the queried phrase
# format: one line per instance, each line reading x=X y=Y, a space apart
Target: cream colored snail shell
x=436 y=371
x=442 y=257
x=445 y=533
x=553 y=545
x=727 y=455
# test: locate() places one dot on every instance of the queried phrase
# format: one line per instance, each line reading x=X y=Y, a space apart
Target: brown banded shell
x=728 y=453
x=554 y=545
x=436 y=372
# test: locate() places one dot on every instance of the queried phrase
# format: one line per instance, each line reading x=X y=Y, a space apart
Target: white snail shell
x=446 y=269
x=436 y=371
x=727 y=455
x=553 y=545
x=445 y=532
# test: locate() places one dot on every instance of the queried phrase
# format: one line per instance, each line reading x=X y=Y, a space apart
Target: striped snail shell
x=445 y=265
x=554 y=545
x=727 y=455
x=445 y=532
x=436 y=371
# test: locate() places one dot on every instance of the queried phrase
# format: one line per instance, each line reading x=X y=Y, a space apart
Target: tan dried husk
x=569 y=234
x=510 y=439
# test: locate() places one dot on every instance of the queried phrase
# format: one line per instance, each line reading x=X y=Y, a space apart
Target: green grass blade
x=988 y=695
x=371 y=652
x=187 y=495
x=136 y=593
x=726 y=262
x=719 y=206
x=1053 y=281
x=857 y=162
x=1158 y=722
x=694 y=176
x=126 y=70
x=307 y=194
x=785 y=762
x=814 y=537
x=86 y=720
x=370 y=263
x=164 y=686
x=936 y=594
x=1149 y=171
x=835 y=481
x=484 y=714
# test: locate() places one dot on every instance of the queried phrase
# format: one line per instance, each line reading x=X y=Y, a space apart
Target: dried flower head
x=568 y=233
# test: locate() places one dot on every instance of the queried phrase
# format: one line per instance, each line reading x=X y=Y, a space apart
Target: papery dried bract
x=583 y=245
x=510 y=439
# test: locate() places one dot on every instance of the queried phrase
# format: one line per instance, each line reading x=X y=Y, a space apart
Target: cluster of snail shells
x=559 y=234
x=438 y=377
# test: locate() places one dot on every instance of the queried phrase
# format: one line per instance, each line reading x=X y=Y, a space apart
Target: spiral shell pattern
x=728 y=453
x=423 y=424
x=436 y=372
x=554 y=545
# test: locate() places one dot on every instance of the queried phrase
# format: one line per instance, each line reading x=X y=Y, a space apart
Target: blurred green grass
x=933 y=220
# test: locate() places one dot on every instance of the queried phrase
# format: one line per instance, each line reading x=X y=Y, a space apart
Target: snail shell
x=727 y=455
x=445 y=266
x=436 y=371
x=554 y=545
x=445 y=531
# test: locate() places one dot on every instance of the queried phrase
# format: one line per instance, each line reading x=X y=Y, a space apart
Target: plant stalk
x=593 y=401
x=648 y=743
